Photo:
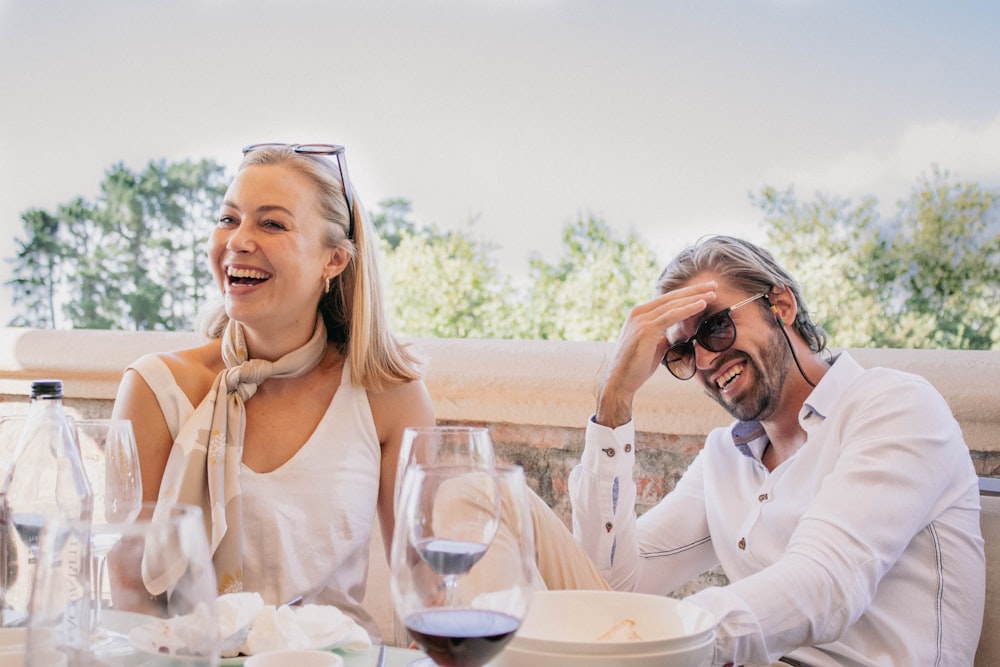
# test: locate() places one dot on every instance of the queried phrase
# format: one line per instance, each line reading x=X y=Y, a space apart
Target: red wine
x=449 y=557
x=462 y=637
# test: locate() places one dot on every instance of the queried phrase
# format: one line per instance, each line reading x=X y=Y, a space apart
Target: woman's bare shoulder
x=195 y=368
x=400 y=405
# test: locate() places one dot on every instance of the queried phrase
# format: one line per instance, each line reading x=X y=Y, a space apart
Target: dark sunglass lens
x=717 y=333
x=679 y=360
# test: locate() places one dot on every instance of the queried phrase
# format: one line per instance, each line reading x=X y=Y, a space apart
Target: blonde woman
x=285 y=426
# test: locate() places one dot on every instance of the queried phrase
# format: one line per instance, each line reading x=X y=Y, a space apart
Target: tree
x=587 y=294
x=446 y=284
x=928 y=277
x=37 y=270
x=132 y=259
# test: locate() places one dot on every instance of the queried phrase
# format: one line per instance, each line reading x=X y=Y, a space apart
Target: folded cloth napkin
x=310 y=626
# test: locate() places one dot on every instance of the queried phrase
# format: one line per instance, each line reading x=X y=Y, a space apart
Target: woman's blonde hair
x=353 y=309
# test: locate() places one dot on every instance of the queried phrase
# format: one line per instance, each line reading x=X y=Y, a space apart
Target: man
x=841 y=504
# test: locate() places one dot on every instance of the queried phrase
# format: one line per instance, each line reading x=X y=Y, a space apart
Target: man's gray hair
x=746 y=267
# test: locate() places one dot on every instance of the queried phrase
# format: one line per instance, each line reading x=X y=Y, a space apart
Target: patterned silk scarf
x=203 y=468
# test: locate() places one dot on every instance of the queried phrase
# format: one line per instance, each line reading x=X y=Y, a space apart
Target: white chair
x=988 y=653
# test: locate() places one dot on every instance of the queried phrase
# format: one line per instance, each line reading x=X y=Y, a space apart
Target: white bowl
x=591 y=627
x=298 y=658
x=696 y=655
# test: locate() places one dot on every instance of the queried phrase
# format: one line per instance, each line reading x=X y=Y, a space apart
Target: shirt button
x=742 y=544
x=610 y=451
x=762 y=497
x=628 y=448
x=608 y=526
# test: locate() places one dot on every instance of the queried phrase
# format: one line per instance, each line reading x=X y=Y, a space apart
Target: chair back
x=988 y=653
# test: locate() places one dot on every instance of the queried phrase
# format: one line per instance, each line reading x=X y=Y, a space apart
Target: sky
x=510 y=119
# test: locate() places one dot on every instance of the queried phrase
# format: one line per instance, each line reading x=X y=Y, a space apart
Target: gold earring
x=327 y=290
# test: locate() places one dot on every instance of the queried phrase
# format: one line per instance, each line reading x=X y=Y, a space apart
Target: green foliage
x=927 y=278
x=587 y=294
x=132 y=259
x=445 y=285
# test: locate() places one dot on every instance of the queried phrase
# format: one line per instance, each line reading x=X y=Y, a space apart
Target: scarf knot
x=245 y=378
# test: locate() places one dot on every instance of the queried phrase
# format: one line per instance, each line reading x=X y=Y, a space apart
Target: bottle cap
x=47 y=389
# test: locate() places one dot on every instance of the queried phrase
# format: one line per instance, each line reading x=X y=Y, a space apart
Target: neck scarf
x=203 y=468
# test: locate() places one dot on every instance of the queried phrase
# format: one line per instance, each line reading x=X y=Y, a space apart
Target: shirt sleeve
x=655 y=553
x=602 y=493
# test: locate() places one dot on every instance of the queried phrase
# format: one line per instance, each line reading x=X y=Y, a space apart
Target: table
x=394 y=657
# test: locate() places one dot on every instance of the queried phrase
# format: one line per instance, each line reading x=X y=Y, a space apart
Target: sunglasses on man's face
x=716 y=333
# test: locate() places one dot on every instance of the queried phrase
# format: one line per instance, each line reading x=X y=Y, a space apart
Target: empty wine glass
x=443 y=445
x=461 y=560
x=110 y=459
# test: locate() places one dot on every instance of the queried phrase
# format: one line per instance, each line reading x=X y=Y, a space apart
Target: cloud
x=970 y=153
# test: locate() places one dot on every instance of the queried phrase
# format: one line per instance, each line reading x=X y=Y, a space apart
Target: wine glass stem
x=450 y=590
x=97 y=577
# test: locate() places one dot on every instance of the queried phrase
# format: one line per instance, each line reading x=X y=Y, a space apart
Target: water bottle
x=46 y=480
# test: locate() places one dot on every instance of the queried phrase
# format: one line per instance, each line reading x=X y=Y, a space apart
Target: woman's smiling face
x=268 y=251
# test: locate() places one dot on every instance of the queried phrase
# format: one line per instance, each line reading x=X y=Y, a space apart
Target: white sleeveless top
x=307 y=525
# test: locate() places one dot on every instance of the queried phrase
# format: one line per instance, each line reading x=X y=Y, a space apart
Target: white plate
x=144 y=638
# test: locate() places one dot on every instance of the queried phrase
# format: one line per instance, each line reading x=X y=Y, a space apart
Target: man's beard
x=759 y=400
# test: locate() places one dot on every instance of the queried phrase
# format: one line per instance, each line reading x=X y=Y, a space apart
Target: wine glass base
x=422 y=662
x=107 y=643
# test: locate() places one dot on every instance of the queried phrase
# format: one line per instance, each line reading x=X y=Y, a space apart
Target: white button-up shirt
x=863 y=548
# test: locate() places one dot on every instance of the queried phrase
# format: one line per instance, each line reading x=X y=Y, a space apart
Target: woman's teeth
x=246 y=276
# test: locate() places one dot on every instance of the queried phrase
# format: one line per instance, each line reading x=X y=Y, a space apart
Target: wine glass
x=163 y=592
x=461 y=560
x=443 y=445
x=110 y=459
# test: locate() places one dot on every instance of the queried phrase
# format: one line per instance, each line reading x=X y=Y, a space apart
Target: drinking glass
x=440 y=445
x=163 y=592
x=110 y=459
x=443 y=445
x=461 y=560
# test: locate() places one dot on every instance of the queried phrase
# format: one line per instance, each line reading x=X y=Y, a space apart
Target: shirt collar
x=821 y=401
x=750 y=437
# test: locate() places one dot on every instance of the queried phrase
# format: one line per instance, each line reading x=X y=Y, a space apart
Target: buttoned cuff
x=609 y=449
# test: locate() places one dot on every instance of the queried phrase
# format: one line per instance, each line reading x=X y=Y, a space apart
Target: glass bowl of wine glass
x=461 y=560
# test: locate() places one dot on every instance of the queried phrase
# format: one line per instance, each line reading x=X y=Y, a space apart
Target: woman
x=289 y=460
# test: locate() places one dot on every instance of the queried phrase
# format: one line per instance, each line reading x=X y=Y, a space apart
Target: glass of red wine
x=461 y=563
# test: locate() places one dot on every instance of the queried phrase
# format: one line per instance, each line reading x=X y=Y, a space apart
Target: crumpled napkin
x=310 y=626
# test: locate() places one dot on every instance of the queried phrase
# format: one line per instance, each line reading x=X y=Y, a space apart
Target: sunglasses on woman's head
x=321 y=149
x=716 y=333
